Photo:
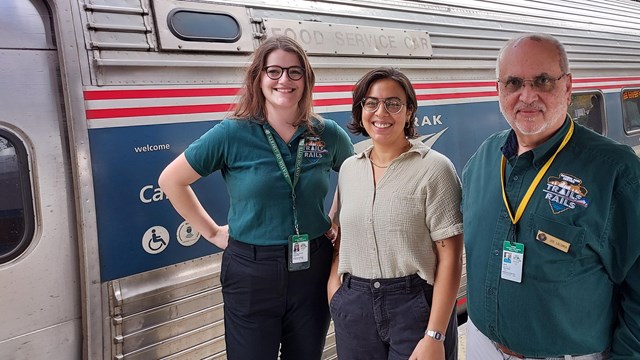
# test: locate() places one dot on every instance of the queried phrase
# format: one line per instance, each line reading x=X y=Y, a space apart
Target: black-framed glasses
x=393 y=105
x=542 y=83
x=274 y=72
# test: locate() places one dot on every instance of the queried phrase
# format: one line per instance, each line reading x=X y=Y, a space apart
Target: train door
x=39 y=276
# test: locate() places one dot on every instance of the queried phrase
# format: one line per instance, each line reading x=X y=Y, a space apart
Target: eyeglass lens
x=274 y=72
x=392 y=105
x=542 y=83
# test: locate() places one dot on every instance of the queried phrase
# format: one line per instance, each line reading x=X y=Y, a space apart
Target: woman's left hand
x=428 y=349
x=332 y=233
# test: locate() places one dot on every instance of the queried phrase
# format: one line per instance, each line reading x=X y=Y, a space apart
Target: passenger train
x=98 y=96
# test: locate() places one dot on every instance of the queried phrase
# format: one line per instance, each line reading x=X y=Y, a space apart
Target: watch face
x=436 y=335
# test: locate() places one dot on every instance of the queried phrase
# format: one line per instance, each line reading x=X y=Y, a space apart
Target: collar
x=417 y=146
x=539 y=154
x=299 y=131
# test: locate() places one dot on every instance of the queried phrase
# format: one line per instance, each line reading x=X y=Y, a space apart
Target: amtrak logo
x=565 y=192
x=429 y=140
x=314 y=149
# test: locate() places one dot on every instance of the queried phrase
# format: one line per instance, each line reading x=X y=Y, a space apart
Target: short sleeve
x=444 y=218
x=207 y=154
x=343 y=145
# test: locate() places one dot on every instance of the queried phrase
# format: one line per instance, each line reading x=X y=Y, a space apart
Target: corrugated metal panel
x=598 y=35
x=169 y=313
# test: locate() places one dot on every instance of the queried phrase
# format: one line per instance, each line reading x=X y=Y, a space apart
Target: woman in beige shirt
x=397 y=265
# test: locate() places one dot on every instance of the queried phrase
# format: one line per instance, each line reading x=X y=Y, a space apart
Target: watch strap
x=435 y=335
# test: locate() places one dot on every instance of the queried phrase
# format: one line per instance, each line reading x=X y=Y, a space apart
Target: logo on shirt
x=565 y=192
x=314 y=149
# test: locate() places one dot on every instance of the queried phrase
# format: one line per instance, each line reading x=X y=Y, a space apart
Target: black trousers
x=269 y=311
x=383 y=319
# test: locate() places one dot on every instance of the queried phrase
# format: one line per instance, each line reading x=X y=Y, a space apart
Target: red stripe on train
x=233 y=91
x=156 y=111
x=204 y=92
x=157 y=93
x=95 y=114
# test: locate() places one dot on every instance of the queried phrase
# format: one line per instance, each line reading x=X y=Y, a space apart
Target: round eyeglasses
x=542 y=83
x=392 y=105
x=274 y=72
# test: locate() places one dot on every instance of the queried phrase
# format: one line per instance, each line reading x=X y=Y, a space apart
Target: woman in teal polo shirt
x=275 y=155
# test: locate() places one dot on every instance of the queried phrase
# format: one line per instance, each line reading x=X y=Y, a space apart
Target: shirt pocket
x=545 y=262
x=406 y=213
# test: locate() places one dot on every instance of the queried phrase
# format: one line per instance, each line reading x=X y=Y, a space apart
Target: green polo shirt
x=581 y=301
x=261 y=206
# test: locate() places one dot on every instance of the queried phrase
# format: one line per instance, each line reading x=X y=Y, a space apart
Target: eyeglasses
x=274 y=72
x=392 y=105
x=542 y=83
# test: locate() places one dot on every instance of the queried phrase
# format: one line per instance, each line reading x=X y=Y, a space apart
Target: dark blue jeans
x=383 y=319
x=267 y=308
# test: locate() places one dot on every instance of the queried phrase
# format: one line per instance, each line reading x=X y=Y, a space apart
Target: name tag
x=553 y=241
x=299 y=252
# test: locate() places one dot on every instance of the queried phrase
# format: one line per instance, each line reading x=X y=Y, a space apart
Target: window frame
x=628 y=130
x=176 y=33
x=25 y=183
x=603 y=109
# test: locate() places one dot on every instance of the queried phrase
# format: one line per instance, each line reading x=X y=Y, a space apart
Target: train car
x=98 y=96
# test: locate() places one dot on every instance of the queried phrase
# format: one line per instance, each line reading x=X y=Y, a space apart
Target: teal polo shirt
x=582 y=301
x=261 y=207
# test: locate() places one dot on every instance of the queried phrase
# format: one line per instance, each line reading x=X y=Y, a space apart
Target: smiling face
x=533 y=114
x=284 y=94
x=383 y=127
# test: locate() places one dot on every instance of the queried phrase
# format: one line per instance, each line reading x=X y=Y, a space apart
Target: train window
x=631 y=109
x=16 y=209
x=190 y=25
x=587 y=109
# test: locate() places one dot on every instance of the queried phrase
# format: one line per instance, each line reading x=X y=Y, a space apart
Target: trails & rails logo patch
x=565 y=192
x=314 y=149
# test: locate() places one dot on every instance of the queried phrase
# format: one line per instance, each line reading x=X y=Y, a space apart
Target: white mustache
x=531 y=106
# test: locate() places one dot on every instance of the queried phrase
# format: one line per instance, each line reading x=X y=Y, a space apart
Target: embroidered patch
x=314 y=149
x=565 y=192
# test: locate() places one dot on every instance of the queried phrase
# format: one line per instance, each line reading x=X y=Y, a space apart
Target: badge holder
x=299 y=252
x=298 y=258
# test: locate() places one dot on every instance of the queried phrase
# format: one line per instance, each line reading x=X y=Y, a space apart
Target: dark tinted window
x=16 y=210
x=588 y=109
x=203 y=26
x=631 y=109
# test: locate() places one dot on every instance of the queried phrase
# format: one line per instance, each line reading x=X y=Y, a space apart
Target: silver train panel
x=40 y=289
x=58 y=298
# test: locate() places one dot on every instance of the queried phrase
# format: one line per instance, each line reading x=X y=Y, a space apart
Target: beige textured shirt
x=388 y=229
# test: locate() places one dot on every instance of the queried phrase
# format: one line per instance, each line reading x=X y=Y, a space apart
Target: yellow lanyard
x=534 y=183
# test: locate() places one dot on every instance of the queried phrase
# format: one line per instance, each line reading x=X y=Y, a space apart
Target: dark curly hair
x=362 y=88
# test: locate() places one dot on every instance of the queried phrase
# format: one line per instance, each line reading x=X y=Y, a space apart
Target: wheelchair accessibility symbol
x=155 y=239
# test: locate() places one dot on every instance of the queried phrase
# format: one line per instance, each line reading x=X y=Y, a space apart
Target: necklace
x=378 y=166
x=405 y=149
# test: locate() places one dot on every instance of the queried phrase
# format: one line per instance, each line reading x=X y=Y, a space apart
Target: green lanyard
x=285 y=171
x=534 y=183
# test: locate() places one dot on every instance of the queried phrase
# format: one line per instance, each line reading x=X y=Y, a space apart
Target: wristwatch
x=435 y=335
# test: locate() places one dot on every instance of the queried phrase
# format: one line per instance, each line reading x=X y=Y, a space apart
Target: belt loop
x=348 y=280
x=254 y=249
x=407 y=284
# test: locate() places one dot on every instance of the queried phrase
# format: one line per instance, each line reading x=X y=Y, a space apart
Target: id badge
x=299 y=252
x=512 y=260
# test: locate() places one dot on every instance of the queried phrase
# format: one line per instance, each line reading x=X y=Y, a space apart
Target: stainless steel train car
x=97 y=96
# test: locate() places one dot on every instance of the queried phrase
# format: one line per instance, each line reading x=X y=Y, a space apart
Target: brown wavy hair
x=361 y=89
x=251 y=104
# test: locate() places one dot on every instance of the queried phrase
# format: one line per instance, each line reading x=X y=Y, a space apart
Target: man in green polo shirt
x=552 y=224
